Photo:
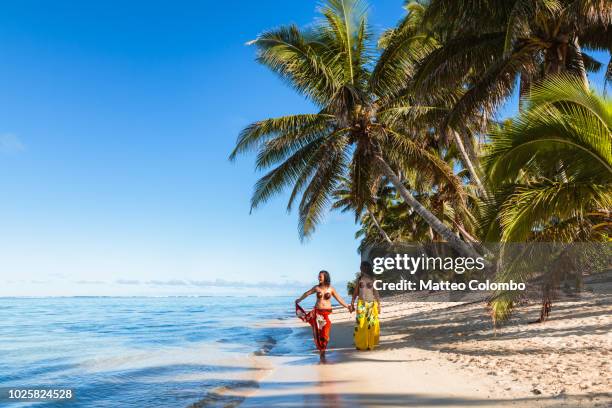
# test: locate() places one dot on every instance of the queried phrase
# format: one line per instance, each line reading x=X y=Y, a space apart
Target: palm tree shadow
x=444 y=329
x=404 y=400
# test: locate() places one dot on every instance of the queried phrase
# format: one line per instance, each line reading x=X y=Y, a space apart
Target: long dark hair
x=366 y=269
x=326 y=278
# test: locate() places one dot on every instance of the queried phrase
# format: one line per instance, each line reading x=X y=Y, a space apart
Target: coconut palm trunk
x=380 y=229
x=580 y=62
x=446 y=233
x=468 y=162
x=359 y=117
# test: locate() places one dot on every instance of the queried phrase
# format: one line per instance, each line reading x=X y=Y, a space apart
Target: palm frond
x=403 y=48
x=285 y=174
x=496 y=84
x=317 y=195
x=450 y=64
x=531 y=206
x=291 y=127
x=301 y=60
x=302 y=181
x=564 y=123
x=345 y=23
x=522 y=16
x=407 y=154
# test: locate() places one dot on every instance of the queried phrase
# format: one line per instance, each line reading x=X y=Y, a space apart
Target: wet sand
x=447 y=354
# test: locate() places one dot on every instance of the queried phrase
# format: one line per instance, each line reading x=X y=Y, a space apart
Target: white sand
x=447 y=354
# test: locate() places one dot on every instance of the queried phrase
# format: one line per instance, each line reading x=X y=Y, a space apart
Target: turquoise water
x=153 y=352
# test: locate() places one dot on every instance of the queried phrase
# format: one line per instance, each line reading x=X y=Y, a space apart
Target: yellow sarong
x=367 y=327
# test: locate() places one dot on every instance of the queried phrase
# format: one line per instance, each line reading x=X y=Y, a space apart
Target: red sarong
x=318 y=319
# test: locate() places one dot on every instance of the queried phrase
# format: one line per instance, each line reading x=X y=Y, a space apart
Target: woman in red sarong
x=318 y=318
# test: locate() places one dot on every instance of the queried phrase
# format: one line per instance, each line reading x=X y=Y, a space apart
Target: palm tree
x=412 y=28
x=399 y=222
x=355 y=132
x=551 y=170
x=344 y=201
x=386 y=218
x=487 y=45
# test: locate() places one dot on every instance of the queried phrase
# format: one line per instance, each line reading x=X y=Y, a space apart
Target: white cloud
x=10 y=143
x=127 y=282
x=88 y=282
x=218 y=283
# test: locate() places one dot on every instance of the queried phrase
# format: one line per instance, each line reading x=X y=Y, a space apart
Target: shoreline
x=260 y=365
x=448 y=354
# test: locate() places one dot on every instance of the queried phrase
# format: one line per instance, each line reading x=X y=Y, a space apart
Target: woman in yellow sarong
x=367 y=326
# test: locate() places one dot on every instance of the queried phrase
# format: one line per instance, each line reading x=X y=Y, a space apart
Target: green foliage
x=552 y=168
x=351 y=285
x=422 y=98
x=557 y=155
x=487 y=46
x=359 y=99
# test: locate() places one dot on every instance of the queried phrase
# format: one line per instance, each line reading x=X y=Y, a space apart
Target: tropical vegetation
x=405 y=133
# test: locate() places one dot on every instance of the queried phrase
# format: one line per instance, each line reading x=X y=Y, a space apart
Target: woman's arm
x=355 y=293
x=306 y=294
x=339 y=299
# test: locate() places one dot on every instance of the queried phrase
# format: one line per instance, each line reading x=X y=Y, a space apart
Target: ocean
x=137 y=352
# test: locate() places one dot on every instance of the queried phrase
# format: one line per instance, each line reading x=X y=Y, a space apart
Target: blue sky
x=117 y=119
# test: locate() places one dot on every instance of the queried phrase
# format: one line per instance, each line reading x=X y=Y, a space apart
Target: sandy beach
x=446 y=354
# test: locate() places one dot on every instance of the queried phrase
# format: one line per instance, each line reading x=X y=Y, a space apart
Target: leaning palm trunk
x=380 y=229
x=356 y=95
x=468 y=162
x=580 y=63
x=437 y=225
x=464 y=232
